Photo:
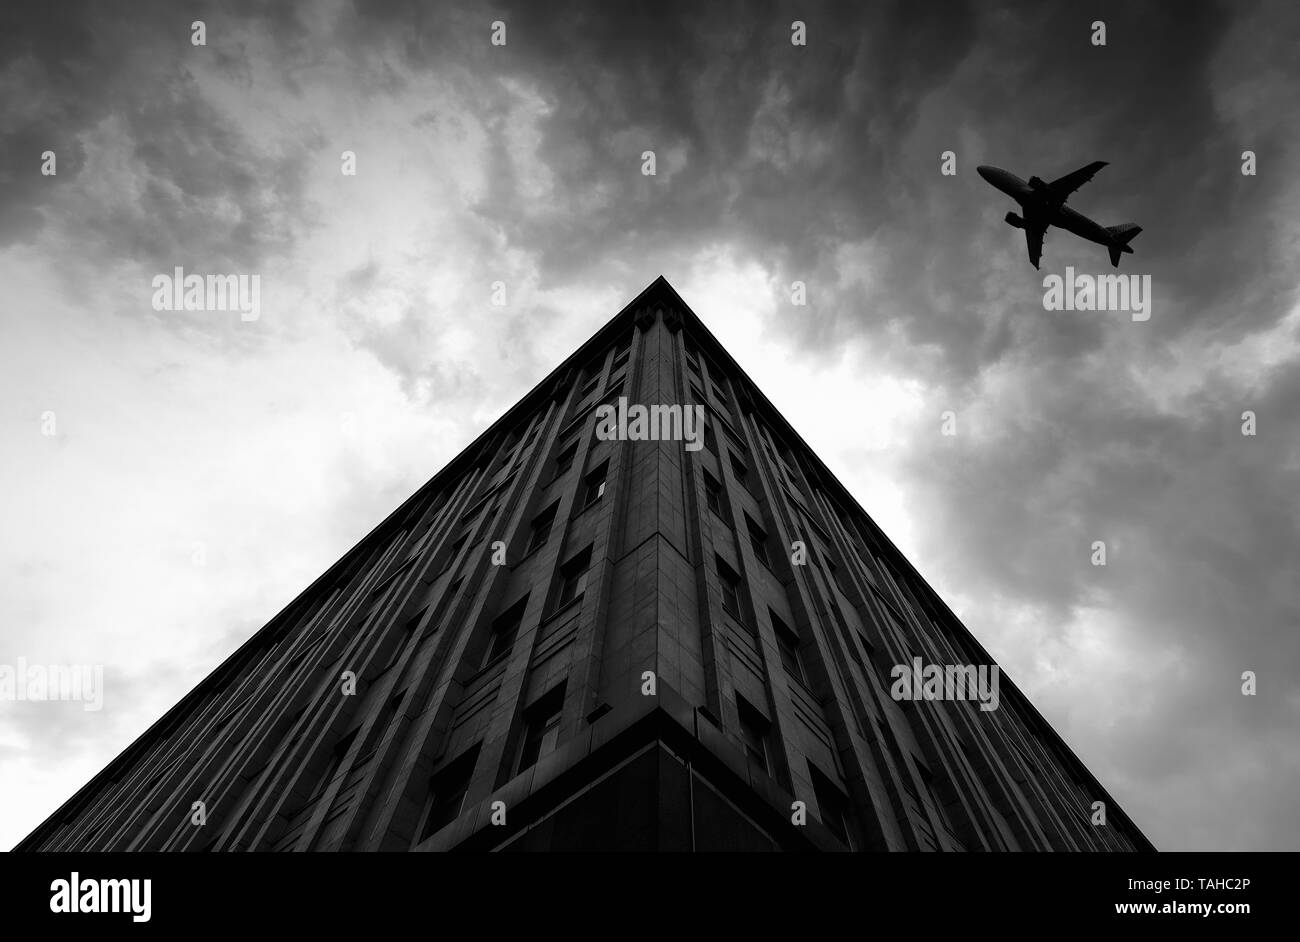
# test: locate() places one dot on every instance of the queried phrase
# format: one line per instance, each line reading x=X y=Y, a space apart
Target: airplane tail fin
x=1121 y=236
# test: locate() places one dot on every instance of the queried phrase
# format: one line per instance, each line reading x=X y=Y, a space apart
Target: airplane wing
x=1067 y=184
x=1034 y=242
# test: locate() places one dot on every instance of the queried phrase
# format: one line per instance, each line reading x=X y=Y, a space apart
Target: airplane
x=1044 y=205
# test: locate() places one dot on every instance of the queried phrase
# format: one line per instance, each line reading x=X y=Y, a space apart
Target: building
x=566 y=641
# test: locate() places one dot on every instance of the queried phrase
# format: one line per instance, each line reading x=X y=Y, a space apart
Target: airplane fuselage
x=1039 y=207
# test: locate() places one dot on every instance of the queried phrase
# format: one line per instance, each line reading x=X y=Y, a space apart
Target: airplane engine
x=1015 y=221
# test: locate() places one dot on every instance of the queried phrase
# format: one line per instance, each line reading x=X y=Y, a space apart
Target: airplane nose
x=983 y=171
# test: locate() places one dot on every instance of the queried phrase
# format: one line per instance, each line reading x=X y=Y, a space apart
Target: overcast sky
x=203 y=469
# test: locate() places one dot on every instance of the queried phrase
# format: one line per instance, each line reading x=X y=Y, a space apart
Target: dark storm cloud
x=791 y=153
x=68 y=70
x=694 y=78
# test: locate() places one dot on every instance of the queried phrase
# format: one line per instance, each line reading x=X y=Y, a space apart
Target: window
x=832 y=806
x=474 y=511
x=697 y=397
x=573 y=578
x=614 y=392
x=868 y=647
x=447 y=792
x=445 y=600
x=589 y=387
x=337 y=755
x=504 y=629
x=834 y=572
x=713 y=494
x=710 y=440
x=395 y=704
x=594 y=484
x=787 y=643
x=407 y=630
x=933 y=791
x=866 y=567
x=541 y=727
x=541 y=528
x=693 y=358
x=564 y=460
x=730 y=583
x=753 y=733
x=455 y=550
x=391 y=577
x=418 y=546
x=758 y=540
x=740 y=470
x=413 y=622
x=719 y=393
x=621 y=359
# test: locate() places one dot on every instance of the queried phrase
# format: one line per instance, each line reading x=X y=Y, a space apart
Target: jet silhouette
x=1044 y=205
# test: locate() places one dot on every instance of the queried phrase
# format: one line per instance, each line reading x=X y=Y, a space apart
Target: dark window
x=395 y=703
x=935 y=792
x=621 y=358
x=869 y=648
x=787 y=643
x=391 y=577
x=407 y=630
x=593 y=485
x=740 y=470
x=447 y=792
x=573 y=578
x=541 y=727
x=719 y=393
x=337 y=755
x=542 y=527
x=455 y=550
x=482 y=502
x=448 y=595
x=710 y=440
x=753 y=732
x=413 y=622
x=832 y=806
x=418 y=546
x=564 y=460
x=730 y=583
x=504 y=629
x=834 y=572
x=713 y=495
x=758 y=540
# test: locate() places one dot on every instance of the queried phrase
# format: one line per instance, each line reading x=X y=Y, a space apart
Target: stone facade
x=568 y=642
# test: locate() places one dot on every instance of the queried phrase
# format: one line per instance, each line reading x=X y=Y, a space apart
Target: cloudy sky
x=170 y=480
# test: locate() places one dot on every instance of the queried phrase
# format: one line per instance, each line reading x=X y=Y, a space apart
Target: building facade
x=572 y=641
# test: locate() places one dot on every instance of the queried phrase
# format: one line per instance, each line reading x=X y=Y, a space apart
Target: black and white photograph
x=650 y=429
